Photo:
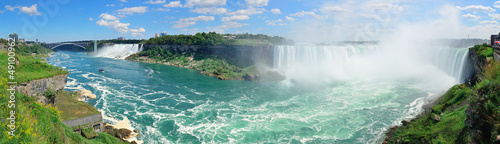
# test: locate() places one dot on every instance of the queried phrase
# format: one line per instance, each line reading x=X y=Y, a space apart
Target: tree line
x=213 y=38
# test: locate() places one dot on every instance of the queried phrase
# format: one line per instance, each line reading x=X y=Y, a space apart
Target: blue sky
x=327 y=20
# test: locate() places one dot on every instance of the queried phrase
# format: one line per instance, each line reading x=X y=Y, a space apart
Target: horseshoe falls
x=332 y=94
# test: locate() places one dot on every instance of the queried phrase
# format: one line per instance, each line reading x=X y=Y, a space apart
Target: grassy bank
x=72 y=108
x=464 y=114
x=35 y=122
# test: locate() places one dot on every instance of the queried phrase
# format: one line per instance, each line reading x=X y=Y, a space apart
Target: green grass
x=484 y=115
x=29 y=68
x=483 y=51
x=36 y=122
x=72 y=108
x=425 y=129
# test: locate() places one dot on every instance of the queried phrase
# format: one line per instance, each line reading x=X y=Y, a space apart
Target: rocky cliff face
x=238 y=55
x=478 y=65
x=35 y=88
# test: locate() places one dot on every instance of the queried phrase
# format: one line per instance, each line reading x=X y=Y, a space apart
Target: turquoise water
x=178 y=105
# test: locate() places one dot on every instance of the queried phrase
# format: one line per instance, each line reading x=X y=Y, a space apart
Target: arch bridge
x=80 y=44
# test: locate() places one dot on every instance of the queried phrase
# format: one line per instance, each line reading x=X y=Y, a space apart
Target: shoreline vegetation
x=466 y=113
x=208 y=64
x=37 y=122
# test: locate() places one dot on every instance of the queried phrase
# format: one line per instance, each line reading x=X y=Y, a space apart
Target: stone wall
x=89 y=121
x=239 y=55
x=35 y=88
x=496 y=54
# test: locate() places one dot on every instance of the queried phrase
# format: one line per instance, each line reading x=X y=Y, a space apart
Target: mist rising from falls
x=119 y=51
x=430 y=66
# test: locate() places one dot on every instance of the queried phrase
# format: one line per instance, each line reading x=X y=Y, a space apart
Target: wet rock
x=249 y=77
x=405 y=123
x=136 y=131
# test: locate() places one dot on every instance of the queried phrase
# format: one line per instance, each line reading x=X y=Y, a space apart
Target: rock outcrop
x=35 y=88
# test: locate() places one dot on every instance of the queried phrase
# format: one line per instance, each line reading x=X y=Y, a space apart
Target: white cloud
x=471 y=17
x=173 y=4
x=488 y=22
x=131 y=10
x=110 y=5
x=107 y=16
x=476 y=8
x=205 y=3
x=494 y=16
x=226 y=26
x=8 y=7
x=113 y=22
x=311 y=13
x=235 y=17
x=162 y=9
x=248 y=11
x=91 y=19
x=257 y=2
x=32 y=10
x=290 y=18
x=183 y=24
x=155 y=2
x=497 y=4
x=387 y=7
x=278 y=22
x=123 y=0
x=198 y=18
x=329 y=9
x=136 y=32
x=276 y=11
x=213 y=11
x=194 y=29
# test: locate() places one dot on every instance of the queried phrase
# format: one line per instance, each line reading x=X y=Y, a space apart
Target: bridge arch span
x=67 y=44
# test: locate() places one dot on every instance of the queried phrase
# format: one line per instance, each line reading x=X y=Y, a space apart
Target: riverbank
x=34 y=121
x=466 y=113
x=206 y=64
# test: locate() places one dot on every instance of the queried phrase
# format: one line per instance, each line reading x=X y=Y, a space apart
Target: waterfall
x=323 y=62
x=119 y=51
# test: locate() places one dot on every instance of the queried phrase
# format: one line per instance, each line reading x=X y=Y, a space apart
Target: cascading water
x=367 y=62
x=119 y=51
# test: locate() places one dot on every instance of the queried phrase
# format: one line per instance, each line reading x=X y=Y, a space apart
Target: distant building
x=14 y=35
x=121 y=38
x=163 y=34
x=156 y=35
x=229 y=37
x=36 y=41
x=494 y=38
x=22 y=40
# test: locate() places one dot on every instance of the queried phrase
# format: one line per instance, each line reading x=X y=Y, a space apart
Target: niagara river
x=332 y=94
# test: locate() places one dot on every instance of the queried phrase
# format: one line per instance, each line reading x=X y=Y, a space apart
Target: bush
x=49 y=93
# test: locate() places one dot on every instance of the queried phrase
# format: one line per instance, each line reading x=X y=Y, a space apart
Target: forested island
x=200 y=56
